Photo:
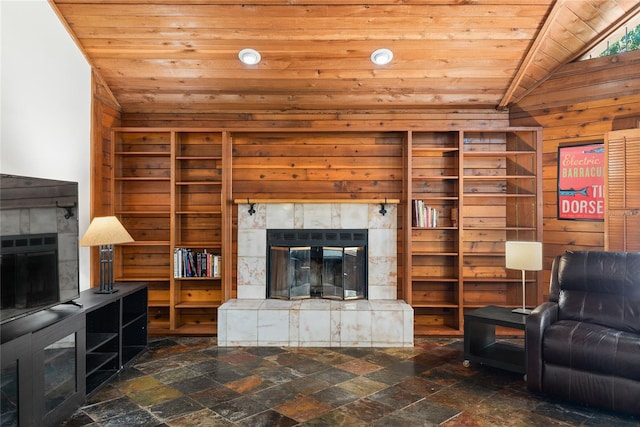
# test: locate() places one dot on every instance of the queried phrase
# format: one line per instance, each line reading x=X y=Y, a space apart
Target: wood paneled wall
x=581 y=103
x=316 y=166
x=105 y=115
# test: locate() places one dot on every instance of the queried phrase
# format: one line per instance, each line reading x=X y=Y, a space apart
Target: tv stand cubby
x=52 y=360
x=116 y=331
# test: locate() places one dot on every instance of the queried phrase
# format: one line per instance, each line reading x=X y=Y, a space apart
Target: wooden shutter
x=622 y=186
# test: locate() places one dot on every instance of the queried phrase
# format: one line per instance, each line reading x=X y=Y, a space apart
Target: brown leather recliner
x=584 y=344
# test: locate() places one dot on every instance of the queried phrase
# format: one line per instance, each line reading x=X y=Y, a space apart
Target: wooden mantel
x=272 y=201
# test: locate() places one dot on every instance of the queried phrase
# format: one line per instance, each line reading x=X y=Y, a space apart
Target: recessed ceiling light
x=381 y=56
x=249 y=56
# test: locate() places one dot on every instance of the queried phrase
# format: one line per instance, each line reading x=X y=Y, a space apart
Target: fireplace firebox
x=306 y=263
x=29 y=266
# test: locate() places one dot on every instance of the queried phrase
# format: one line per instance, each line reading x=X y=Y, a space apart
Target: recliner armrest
x=539 y=319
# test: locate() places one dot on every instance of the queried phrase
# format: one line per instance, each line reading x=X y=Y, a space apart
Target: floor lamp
x=105 y=231
x=524 y=256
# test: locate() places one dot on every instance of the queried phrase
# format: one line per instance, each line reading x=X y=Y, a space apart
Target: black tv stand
x=53 y=359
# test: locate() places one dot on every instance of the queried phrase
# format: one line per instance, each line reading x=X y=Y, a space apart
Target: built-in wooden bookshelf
x=500 y=203
x=141 y=192
x=434 y=278
x=197 y=226
x=169 y=191
x=485 y=188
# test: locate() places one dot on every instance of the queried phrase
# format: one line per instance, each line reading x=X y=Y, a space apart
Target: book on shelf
x=424 y=215
x=189 y=262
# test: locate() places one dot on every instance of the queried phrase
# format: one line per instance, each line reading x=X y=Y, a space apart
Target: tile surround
x=252 y=241
x=382 y=320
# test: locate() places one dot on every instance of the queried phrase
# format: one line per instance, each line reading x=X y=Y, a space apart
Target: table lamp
x=524 y=256
x=105 y=231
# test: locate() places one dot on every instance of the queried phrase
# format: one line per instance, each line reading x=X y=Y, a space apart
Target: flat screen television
x=39 y=253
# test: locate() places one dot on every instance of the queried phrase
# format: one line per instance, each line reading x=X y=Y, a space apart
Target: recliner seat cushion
x=591 y=347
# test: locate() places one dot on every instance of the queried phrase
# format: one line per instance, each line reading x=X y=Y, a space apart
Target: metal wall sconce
x=69 y=213
x=382 y=210
x=252 y=209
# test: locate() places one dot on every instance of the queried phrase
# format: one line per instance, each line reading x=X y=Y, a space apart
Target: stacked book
x=423 y=215
x=192 y=263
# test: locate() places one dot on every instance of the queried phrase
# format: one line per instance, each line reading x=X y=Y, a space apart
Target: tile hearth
x=315 y=323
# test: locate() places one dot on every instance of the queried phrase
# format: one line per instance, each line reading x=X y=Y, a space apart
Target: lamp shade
x=105 y=230
x=524 y=255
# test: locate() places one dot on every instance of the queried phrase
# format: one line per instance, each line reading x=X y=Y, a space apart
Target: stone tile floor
x=189 y=381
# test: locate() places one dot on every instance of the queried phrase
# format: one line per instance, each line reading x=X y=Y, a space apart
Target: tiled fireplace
x=381 y=320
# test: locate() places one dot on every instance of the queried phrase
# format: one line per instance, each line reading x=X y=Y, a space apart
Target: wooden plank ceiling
x=168 y=56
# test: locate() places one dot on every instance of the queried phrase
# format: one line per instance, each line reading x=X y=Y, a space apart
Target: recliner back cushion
x=601 y=287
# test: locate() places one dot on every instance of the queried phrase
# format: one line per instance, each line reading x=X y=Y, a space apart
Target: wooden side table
x=480 y=343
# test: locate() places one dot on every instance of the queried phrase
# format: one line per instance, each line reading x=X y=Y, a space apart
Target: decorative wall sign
x=581 y=181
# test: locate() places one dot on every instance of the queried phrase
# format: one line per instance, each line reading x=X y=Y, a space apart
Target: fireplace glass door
x=290 y=272
x=318 y=272
x=342 y=273
x=354 y=261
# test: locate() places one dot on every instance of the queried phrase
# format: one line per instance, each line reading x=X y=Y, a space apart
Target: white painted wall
x=45 y=109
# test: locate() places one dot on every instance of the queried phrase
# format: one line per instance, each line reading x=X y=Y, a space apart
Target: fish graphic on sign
x=594 y=150
x=572 y=192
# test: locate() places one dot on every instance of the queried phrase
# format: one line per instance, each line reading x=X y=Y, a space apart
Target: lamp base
x=521 y=311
